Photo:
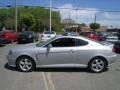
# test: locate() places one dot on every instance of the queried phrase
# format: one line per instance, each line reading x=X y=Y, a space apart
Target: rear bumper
x=112 y=59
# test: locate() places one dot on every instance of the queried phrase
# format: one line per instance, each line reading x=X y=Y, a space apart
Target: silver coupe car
x=63 y=51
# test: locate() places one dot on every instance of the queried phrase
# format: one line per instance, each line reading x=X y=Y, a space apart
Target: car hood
x=49 y=34
x=24 y=47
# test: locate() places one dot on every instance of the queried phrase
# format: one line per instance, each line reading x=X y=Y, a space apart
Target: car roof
x=91 y=42
x=77 y=37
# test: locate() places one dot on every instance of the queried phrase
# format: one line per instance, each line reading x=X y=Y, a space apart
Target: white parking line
x=49 y=85
x=51 y=82
x=45 y=81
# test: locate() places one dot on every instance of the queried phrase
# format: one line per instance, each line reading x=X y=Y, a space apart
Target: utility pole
x=50 y=15
x=95 y=19
x=76 y=20
x=69 y=18
x=16 y=15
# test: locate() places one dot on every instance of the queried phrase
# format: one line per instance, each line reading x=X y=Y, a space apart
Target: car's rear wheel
x=97 y=65
x=25 y=64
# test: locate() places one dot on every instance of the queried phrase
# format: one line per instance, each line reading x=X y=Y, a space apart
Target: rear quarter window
x=80 y=42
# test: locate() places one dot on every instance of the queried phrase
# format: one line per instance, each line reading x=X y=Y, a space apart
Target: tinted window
x=2 y=34
x=48 y=32
x=80 y=42
x=63 y=42
x=27 y=33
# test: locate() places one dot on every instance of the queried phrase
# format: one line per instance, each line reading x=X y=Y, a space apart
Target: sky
x=86 y=14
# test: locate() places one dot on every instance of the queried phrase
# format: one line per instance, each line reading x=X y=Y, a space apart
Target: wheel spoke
x=97 y=68
x=94 y=65
x=22 y=66
x=101 y=66
x=96 y=61
x=22 y=63
x=28 y=66
x=26 y=61
x=101 y=62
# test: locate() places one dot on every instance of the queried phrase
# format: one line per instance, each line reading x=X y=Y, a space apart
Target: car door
x=63 y=51
x=83 y=51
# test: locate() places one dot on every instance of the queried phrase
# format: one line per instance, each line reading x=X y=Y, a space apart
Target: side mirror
x=48 y=47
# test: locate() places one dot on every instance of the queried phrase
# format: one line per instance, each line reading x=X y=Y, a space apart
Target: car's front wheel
x=97 y=65
x=25 y=64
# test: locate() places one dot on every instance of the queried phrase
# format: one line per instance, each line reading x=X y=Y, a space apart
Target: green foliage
x=30 y=18
x=94 y=26
x=27 y=21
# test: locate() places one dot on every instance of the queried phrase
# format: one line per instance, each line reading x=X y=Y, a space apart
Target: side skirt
x=62 y=65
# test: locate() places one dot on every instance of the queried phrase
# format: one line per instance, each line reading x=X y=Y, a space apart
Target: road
x=57 y=79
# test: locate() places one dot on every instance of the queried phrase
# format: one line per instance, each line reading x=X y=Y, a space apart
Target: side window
x=80 y=42
x=63 y=42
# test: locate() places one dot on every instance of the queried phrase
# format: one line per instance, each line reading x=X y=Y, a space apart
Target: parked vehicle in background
x=116 y=47
x=104 y=34
x=2 y=41
x=70 y=34
x=63 y=51
x=27 y=37
x=95 y=36
x=112 y=39
x=9 y=36
x=48 y=35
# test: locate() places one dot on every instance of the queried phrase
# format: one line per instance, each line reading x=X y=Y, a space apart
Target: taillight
x=6 y=36
x=114 y=50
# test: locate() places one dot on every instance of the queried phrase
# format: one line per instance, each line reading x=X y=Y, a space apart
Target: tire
x=25 y=64
x=97 y=65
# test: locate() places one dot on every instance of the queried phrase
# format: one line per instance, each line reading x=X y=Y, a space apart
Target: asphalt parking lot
x=56 y=79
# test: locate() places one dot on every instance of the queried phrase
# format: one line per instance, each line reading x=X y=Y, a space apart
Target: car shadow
x=6 y=66
x=61 y=70
x=2 y=45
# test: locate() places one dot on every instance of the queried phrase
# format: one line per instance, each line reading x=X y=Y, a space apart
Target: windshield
x=48 y=32
x=40 y=44
x=26 y=33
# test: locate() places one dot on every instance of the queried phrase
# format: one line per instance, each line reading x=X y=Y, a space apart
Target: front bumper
x=45 y=39
x=11 y=61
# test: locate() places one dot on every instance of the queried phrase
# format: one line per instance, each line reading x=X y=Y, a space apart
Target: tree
x=29 y=18
x=27 y=21
x=94 y=26
x=3 y=17
x=39 y=26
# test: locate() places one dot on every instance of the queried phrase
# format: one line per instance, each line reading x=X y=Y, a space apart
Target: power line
x=100 y=10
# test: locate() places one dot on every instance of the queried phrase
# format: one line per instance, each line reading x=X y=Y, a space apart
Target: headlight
x=30 y=36
x=10 y=52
